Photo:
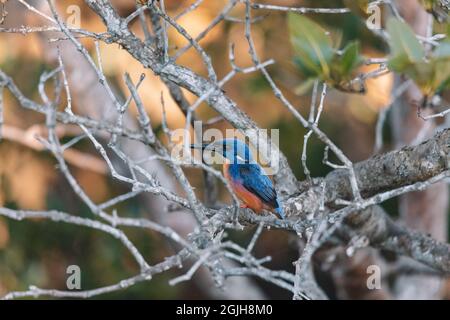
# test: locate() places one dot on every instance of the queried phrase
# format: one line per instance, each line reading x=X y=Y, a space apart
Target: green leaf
x=405 y=48
x=311 y=44
x=399 y=64
x=442 y=74
x=317 y=58
x=343 y=66
x=443 y=86
x=305 y=70
x=441 y=60
x=423 y=74
x=350 y=58
x=433 y=75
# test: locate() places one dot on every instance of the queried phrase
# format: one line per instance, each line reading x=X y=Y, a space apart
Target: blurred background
x=38 y=252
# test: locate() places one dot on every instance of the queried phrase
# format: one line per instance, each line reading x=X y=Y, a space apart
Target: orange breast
x=248 y=198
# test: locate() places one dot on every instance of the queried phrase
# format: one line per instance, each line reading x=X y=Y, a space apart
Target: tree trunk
x=424 y=211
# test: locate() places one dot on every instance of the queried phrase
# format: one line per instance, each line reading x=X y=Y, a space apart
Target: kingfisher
x=246 y=177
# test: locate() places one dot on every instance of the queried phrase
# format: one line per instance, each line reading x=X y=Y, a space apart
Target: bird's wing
x=255 y=181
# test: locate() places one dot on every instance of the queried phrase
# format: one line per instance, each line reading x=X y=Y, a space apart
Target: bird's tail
x=279 y=211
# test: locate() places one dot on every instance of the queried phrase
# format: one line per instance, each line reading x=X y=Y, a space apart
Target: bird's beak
x=199 y=146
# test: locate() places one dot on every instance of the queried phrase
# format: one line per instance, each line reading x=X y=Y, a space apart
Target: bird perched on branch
x=246 y=177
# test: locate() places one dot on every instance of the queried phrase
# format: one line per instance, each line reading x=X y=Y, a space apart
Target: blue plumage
x=251 y=177
x=244 y=172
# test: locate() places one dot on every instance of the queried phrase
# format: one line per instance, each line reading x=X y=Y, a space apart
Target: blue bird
x=246 y=177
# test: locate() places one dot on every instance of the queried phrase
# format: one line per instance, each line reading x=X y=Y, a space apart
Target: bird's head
x=232 y=149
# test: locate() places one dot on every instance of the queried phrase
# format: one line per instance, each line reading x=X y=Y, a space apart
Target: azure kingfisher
x=246 y=177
